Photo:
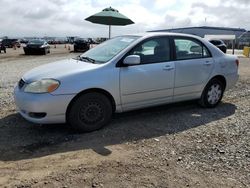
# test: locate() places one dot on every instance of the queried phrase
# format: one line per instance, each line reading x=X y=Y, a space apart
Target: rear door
x=194 y=65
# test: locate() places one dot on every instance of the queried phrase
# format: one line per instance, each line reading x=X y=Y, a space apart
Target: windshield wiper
x=84 y=58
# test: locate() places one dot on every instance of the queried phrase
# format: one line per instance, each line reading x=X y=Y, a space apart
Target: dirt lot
x=177 y=145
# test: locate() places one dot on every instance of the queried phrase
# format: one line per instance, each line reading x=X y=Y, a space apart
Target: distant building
x=242 y=35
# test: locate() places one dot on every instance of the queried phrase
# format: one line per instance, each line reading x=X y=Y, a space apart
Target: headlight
x=42 y=86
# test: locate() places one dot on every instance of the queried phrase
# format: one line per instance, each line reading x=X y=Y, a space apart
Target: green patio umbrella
x=109 y=16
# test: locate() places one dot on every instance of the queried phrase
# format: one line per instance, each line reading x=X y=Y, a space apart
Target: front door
x=152 y=81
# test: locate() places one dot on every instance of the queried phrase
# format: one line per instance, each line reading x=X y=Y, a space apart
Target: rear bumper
x=53 y=106
x=231 y=80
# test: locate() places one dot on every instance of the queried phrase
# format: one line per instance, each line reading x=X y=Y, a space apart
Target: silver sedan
x=125 y=73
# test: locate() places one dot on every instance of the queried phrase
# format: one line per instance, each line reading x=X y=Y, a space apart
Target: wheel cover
x=214 y=94
x=91 y=113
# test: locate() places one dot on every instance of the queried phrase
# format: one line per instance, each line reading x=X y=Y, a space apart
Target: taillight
x=237 y=62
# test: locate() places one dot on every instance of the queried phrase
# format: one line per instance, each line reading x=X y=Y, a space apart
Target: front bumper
x=53 y=106
x=34 y=50
x=81 y=48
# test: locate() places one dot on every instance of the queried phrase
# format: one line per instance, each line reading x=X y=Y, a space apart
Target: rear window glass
x=190 y=49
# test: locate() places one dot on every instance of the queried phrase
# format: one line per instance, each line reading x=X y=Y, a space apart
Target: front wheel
x=89 y=112
x=212 y=94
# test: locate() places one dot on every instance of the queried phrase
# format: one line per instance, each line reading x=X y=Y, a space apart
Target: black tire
x=212 y=93
x=45 y=51
x=89 y=112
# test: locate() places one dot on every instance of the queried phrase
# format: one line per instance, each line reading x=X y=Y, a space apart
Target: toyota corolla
x=125 y=73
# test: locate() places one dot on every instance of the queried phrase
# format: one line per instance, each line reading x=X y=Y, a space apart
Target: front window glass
x=109 y=49
x=153 y=50
x=189 y=49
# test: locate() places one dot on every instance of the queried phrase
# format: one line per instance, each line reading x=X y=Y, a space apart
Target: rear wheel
x=90 y=112
x=212 y=94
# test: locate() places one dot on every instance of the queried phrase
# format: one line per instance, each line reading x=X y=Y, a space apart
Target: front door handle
x=208 y=63
x=168 y=68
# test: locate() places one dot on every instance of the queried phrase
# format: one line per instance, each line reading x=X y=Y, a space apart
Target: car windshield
x=36 y=42
x=109 y=49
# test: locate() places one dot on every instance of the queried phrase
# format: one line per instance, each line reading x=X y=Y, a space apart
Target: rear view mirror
x=132 y=60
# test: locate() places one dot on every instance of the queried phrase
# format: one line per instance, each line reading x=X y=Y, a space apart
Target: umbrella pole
x=109 y=31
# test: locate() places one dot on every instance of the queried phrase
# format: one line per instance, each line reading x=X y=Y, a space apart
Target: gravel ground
x=177 y=145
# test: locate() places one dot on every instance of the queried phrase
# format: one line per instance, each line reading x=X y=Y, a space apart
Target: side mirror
x=132 y=60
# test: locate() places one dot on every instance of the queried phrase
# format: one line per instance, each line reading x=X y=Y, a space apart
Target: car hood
x=58 y=70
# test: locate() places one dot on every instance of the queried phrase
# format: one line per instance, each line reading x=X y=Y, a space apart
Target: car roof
x=152 y=34
x=216 y=40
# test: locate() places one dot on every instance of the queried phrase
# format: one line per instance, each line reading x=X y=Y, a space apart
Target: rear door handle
x=168 y=68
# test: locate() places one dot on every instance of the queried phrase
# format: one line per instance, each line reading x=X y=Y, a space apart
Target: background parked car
x=81 y=45
x=219 y=44
x=36 y=46
x=2 y=47
x=9 y=43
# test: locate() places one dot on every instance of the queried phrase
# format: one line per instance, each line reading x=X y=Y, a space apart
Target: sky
x=66 y=17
